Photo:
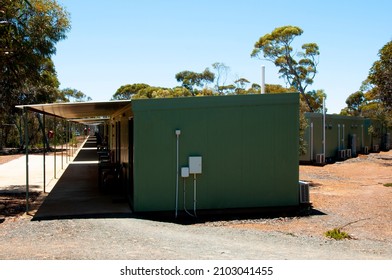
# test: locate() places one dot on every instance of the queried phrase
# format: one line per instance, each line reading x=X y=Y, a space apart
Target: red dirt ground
x=352 y=194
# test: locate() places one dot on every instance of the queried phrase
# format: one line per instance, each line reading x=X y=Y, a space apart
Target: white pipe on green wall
x=194 y=195
x=185 y=209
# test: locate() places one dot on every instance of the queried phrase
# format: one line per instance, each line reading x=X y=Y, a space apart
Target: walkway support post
x=72 y=135
x=44 y=154
x=62 y=145
x=67 y=143
x=54 y=144
x=25 y=113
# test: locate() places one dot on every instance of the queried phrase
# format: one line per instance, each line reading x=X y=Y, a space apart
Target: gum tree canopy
x=381 y=75
x=277 y=48
x=29 y=31
x=190 y=79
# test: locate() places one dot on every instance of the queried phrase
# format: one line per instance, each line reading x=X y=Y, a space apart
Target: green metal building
x=194 y=153
x=215 y=152
x=345 y=137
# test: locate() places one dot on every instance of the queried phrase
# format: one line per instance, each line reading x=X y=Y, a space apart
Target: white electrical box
x=195 y=165
x=185 y=172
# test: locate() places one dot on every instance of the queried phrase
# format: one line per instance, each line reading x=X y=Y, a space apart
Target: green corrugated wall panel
x=248 y=144
x=334 y=123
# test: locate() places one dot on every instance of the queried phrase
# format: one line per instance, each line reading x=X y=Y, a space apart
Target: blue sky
x=118 y=42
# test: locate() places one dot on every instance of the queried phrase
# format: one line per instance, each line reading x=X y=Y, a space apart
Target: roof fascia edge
x=23 y=107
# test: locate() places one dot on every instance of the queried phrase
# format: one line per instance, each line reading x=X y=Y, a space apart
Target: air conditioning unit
x=376 y=148
x=366 y=150
x=320 y=158
x=342 y=154
x=348 y=153
x=304 y=192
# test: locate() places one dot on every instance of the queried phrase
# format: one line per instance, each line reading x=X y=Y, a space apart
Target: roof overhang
x=90 y=121
x=85 y=112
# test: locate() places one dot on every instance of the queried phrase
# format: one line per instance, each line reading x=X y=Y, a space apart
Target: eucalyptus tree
x=277 y=48
x=381 y=75
x=241 y=84
x=140 y=90
x=222 y=71
x=128 y=91
x=366 y=102
x=191 y=80
x=73 y=95
x=29 y=31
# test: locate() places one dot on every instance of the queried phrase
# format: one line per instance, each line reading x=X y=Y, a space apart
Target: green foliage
x=374 y=97
x=140 y=91
x=221 y=74
x=72 y=95
x=381 y=75
x=315 y=98
x=276 y=47
x=28 y=34
x=388 y=185
x=190 y=79
x=241 y=83
x=227 y=89
x=374 y=131
x=29 y=31
x=128 y=91
x=270 y=88
x=337 y=234
x=355 y=103
x=366 y=103
x=303 y=124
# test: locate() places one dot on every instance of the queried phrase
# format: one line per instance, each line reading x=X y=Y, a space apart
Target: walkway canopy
x=83 y=112
x=88 y=113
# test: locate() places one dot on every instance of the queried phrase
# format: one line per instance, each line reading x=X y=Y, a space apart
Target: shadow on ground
x=228 y=215
x=13 y=204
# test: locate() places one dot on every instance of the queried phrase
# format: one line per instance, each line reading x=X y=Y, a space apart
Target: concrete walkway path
x=13 y=173
x=73 y=194
x=77 y=195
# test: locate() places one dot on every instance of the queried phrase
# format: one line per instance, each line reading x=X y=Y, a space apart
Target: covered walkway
x=77 y=193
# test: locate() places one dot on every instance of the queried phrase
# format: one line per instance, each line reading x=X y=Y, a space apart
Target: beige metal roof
x=79 y=110
x=90 y=121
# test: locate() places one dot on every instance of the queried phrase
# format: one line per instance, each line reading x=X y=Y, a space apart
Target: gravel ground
x=361 y=199
x=110 y=239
